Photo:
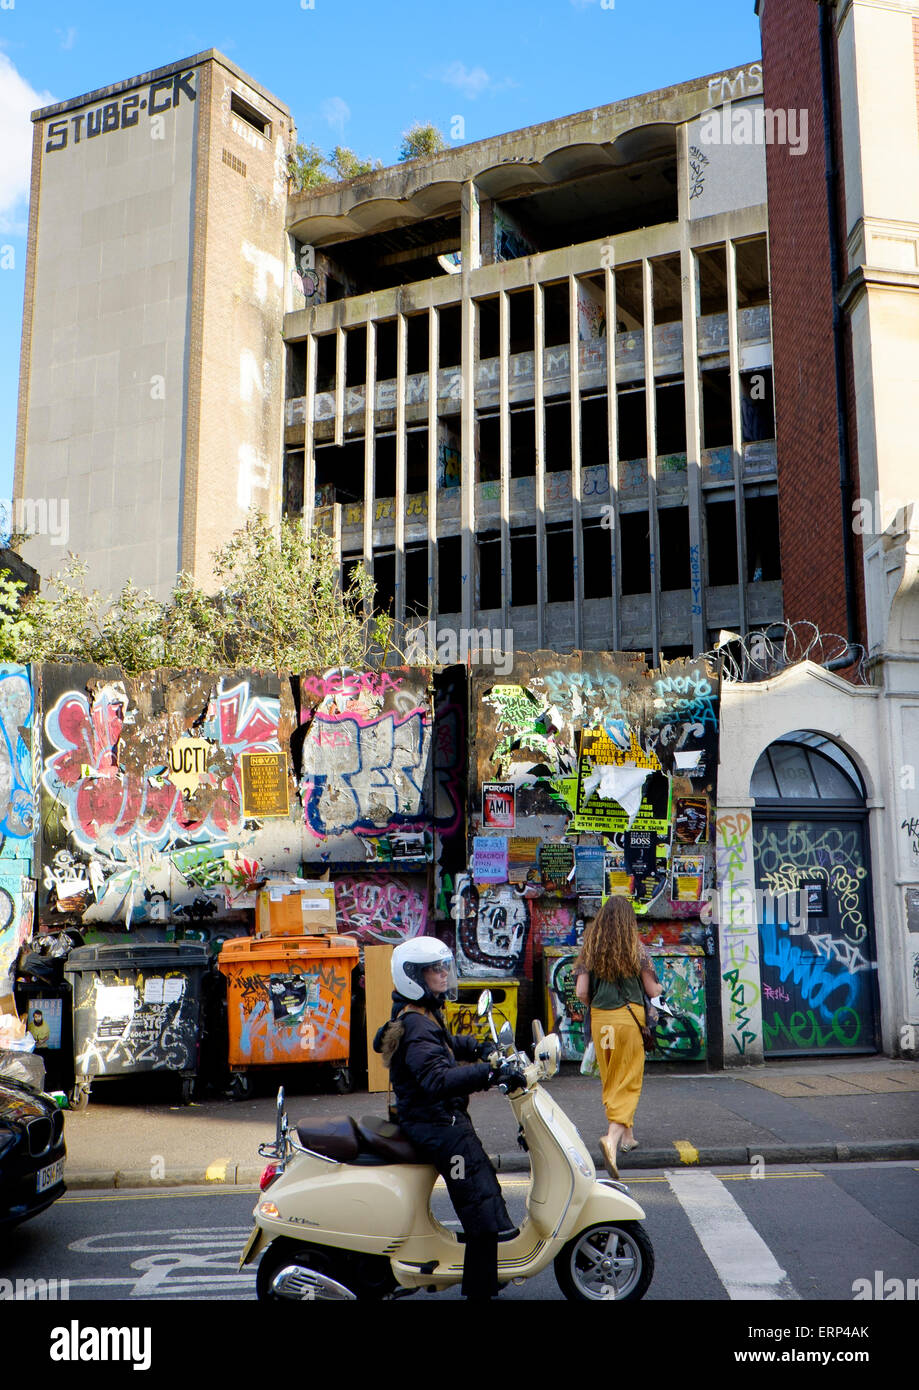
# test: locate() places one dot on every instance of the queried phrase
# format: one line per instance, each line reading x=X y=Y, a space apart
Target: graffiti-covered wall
x=590 y=775
x=167 y=798
x=17 y=783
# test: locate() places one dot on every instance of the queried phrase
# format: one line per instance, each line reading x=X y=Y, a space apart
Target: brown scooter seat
x=370 y=1142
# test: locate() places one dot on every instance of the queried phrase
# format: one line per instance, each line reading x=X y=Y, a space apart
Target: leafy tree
x=347 y=165
x=420 y=141
x=279 y=606
x=304 y=167
x=15 y=630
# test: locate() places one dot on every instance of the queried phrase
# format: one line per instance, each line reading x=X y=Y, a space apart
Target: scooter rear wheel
x=363 y=1277
x=606 y=1263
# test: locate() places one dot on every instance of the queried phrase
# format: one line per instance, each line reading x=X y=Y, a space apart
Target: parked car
x=31 y=1152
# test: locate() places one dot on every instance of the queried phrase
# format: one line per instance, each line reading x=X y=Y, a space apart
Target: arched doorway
x=817 y=949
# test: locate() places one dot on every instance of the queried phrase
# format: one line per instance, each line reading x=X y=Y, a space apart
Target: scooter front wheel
x=606 y=1262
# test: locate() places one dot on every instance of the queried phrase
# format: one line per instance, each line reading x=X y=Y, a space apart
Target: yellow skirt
x=621 y=1058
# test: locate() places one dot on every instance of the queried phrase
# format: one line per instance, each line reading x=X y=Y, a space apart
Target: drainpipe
x=842 y=429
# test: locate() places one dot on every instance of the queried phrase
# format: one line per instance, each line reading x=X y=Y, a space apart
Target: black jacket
x=428 y=1081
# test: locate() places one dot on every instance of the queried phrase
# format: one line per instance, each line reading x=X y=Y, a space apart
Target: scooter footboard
x=609 y=1203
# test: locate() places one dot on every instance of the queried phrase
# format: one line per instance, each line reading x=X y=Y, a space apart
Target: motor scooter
x=345 y=1210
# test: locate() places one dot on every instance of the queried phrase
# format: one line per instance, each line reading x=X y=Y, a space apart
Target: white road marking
x=740 y=1257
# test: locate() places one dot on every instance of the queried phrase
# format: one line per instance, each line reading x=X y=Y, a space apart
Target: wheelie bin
x=288 y=1001
x=136 y=1008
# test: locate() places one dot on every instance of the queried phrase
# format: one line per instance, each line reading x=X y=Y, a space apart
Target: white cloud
x=17 y=101
x=472 y=82
x=67 y=38
x=336 y=112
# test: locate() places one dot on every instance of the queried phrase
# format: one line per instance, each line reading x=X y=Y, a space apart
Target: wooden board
x=378 y=984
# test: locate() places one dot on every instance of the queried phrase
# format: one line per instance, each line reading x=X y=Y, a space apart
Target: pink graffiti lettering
x=380 y=909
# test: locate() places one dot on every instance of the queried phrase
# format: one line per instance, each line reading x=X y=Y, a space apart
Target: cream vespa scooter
x=345 y=1211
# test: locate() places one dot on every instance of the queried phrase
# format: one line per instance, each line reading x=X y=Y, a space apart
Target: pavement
x=134 y=1134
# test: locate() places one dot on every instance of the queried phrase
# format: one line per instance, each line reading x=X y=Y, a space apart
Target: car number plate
x=50 y=1176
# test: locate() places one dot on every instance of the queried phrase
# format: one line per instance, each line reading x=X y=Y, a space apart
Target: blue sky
x=353 y=72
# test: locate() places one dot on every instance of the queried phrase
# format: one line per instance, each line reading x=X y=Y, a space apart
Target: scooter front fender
x=608 y=1203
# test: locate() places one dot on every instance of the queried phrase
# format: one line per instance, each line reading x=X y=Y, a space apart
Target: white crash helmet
x=412 y=958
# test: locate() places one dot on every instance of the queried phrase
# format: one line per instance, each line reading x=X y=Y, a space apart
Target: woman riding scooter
x=431 y=1093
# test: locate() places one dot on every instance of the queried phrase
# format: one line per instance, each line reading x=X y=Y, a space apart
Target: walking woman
x=611 y=970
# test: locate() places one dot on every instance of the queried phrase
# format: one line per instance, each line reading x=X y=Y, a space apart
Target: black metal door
x=817 y=950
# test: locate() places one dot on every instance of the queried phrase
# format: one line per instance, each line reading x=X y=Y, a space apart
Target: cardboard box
x=304 y=908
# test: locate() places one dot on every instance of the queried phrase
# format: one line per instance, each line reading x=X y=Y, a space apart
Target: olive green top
x=615 y=994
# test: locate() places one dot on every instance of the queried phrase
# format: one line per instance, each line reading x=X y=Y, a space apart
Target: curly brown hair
x=611 y=948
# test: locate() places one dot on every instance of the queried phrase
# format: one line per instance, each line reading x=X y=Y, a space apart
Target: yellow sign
x=188 y=761
x=266 y=791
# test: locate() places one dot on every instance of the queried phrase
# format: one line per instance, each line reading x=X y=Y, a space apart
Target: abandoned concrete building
x=595 y=466
x=527 y=380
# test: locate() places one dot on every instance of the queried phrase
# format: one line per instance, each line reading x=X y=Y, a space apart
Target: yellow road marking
x=688 y=1154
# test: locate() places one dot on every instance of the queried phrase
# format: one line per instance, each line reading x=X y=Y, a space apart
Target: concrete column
x=689 y=277
x=737 y=435
x=612 y=428
x=401 y=487
x=370 y=388
x=651 y=424
x=309 y=457
x=340 y=385
x=505 y=436
x=433 y=352
x=539 y=426
x=574 y=380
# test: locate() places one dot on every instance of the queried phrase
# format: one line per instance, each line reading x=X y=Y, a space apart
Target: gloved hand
x=509 y=1075
x=486 y=1051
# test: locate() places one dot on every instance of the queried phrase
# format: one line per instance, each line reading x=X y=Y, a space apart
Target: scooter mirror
x=484 y=1004
x=538 y=1031
x=506 y=1035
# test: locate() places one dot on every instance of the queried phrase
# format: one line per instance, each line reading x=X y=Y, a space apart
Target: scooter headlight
x=583 y=1167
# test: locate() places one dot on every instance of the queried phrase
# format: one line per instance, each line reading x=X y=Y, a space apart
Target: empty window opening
x=418 y=333
x=521 y=321
x=325 y=362
x=761 y=515
x=250 y=115
x=384 y=577
x=670 y=403
x=667 y=289
x=558 y=436
x=711 y=270
x=598 y=573
x=523 y=443
x=293 y=483
x=450 y=338
x=721 y=547
x=488 y=549
x=449 y=574
x=555 y=315
x=340 y=472
x=416 y=460
x=356 y=356
x=524 y=586
x=559 y=563
x=717 y=431
x=594 y=431
x=635 y=552
x=488 y=326
x=631 y=423
x=673 y=533
x=386 y=350
x=603 y=203
x=350 y=561
x=296 y=370
x=385 y=466
x=757 y=414
x=752 y=263
x=630 y=313
x=416 y=579
x=489 y=448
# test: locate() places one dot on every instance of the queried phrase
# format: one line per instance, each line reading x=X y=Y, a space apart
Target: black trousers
x=457 y=1153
